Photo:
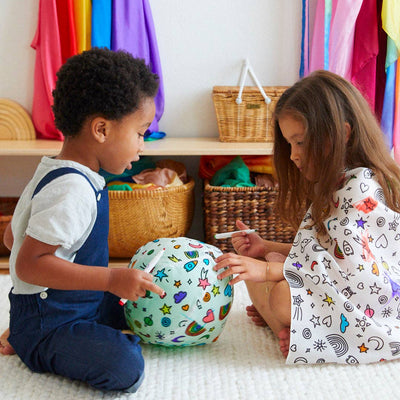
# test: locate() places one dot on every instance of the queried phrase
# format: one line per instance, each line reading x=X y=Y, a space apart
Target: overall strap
x=55 y=174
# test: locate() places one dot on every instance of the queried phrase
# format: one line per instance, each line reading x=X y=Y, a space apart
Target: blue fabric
x=387 y=120
x=303 y=37
x=101 y=23
x=327 y=30
x=75 y=333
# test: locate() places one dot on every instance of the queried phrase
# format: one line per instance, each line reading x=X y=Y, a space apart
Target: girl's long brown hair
x=328 y=106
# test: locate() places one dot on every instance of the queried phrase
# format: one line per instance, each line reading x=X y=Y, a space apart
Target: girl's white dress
x=345 y=287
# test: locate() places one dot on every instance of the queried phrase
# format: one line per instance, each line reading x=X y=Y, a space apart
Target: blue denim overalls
x=75 y=333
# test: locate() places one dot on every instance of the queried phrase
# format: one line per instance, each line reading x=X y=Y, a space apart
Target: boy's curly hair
x=100 y=82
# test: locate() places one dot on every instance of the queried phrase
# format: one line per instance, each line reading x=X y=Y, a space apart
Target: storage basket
x=140 y=216
x=7 y=207
x=255 y=206
x=249 y=121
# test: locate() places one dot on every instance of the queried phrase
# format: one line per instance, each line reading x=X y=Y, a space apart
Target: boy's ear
x=99 y=129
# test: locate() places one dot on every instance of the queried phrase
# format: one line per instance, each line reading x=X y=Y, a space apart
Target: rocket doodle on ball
x=196 y=304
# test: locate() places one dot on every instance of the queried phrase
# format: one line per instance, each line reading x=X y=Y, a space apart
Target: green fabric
x=234 y=174
x=124 y=187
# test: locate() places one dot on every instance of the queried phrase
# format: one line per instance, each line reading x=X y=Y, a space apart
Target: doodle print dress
x=345 y=288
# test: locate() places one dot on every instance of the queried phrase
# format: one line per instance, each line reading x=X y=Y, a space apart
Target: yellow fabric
x=391 y=20
x=83 y=24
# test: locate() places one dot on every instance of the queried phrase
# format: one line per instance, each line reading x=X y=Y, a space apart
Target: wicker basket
x=7 y=207
x=255 y=206
x=140 y=216
x=249 y=121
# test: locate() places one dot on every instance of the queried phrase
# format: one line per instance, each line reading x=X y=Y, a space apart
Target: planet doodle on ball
x=195 y=306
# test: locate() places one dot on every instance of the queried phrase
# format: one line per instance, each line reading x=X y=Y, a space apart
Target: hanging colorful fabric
x=66 y=26
x=101 y=23
x=46 y=42
x=133 y=30
x=344 y=17
x=365 y=52
x=304 y=60
x=83 y=16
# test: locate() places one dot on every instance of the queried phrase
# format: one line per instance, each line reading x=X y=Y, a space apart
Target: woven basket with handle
x=249 y=121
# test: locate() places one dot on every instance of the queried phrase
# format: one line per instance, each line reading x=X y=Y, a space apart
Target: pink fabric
x=48 y=60
x=380 y=66
x=344 y=16
x=366 y=48
x=317 y=44
x=396 y=124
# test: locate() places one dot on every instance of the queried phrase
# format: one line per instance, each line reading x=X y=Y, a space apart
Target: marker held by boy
x=227 y=235
x=148 y=269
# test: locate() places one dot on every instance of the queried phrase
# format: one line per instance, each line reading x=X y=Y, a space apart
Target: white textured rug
x=245 y=363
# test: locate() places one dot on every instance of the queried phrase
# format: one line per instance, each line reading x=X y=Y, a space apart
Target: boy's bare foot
x=5 y=347
x=255 y=316
x=284 y=341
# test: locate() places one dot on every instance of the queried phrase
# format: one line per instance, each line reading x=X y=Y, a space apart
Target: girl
x=333 y=295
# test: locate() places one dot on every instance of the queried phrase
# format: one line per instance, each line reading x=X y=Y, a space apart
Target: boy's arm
x=8 y=238
x=36 y=264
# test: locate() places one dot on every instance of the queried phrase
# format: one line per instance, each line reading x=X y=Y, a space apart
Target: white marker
x=227 y=235
x=148 y=269
x=154 y=261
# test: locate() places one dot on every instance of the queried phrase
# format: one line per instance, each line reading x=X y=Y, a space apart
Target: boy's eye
x=141 y=135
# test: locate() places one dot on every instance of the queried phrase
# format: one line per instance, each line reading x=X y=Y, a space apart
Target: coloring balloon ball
x=196 y=304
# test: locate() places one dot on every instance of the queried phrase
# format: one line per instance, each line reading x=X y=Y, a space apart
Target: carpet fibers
x=245 y=363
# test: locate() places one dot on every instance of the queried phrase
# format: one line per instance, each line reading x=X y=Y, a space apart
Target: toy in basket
x=244 y=114
x=196 y=304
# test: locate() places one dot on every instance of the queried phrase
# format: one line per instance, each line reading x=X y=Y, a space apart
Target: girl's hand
x=246 y=268
x=250 y=245
x=131 y=284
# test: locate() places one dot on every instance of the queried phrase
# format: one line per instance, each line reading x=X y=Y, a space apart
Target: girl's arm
x=248 y=269
x=252 y=245
x=36 y=264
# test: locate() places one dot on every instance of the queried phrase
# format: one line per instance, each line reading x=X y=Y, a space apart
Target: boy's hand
x=131 y=284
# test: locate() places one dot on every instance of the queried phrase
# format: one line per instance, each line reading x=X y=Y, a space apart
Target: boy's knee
x=127 y=372
x=122 y=369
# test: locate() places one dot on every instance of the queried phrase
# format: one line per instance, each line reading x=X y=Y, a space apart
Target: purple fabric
x=132 y=29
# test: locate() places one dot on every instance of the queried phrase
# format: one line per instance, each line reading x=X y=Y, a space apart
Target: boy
x=61 y=321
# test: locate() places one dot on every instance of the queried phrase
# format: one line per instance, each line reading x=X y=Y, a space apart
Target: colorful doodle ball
x=196 y=304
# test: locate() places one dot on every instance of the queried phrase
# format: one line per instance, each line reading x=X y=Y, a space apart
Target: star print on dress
x=345 y=284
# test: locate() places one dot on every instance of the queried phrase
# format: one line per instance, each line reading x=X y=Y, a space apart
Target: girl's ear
x=99 y=129
x=348 y=131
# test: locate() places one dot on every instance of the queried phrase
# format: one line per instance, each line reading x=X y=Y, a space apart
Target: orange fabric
x=83 y=24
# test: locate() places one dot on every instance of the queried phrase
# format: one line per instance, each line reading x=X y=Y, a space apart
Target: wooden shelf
x=164 y=147
x=114 y=263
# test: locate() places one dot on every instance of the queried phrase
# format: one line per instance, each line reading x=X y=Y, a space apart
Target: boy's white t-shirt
x=61 y=214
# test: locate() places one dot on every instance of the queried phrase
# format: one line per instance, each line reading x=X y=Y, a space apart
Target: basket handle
x=247 y=68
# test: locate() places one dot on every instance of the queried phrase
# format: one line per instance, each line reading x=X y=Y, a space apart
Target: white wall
x=201 y=43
